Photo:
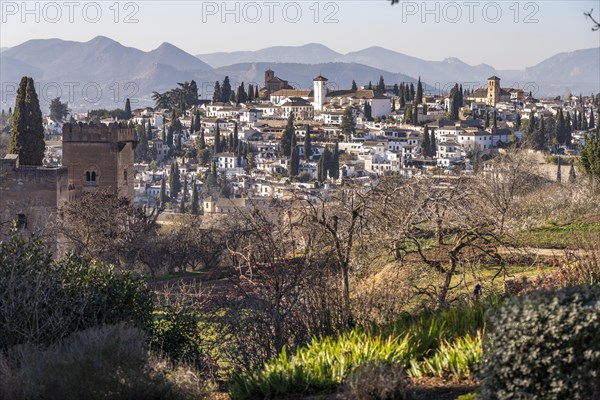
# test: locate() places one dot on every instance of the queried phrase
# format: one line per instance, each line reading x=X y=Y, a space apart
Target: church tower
x=493 y=91
x=319 y=92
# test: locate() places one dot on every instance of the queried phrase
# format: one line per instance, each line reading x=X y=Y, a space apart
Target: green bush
x=545 y=345
x=43 y=301
x=375 y=381
x=109 y=362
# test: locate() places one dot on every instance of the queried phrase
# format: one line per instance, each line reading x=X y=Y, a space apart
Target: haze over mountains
x=63 y=67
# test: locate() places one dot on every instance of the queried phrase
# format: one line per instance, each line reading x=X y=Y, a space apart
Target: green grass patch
x=444 y=343
x=555 y=236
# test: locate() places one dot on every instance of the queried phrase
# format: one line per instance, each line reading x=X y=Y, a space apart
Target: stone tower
x=493 y=91
x=319 y=92
x=99 y=156
x=269 y=74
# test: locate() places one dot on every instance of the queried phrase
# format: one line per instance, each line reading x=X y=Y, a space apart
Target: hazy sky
x=504 y=34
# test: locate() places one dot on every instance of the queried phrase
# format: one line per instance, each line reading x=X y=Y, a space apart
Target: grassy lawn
x=555 y=236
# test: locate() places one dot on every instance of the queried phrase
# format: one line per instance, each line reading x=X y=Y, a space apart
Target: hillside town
x=273 y=140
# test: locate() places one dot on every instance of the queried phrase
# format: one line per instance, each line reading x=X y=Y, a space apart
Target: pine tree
x=354 y=86
x=425 y=143
x=127 y=114
x=27 y=129
x=419 y=96
x=195 y=208
x=58 y=110
x=307 y=144
x=590 y=156
x=162 y=195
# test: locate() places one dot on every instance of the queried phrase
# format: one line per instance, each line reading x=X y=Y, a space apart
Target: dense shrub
x=110 y=362
x=375 y=381
x=545 y=345
x=43 y=300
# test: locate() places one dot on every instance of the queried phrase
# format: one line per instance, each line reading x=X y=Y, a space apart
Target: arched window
x=90 y=178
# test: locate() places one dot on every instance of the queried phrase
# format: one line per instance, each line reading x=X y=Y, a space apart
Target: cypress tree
x=175 y=181
x=194 y=197
x=560 y=127
x=487 y=119
x=217 y=139
x=432 y=144
x=592 y=123
x=518 y=122
x=412 y=91
x=568 y=129
x=256 y=93
x=163 y=135
x=217 y=92
x=354 y=86
x=236 y=140
x=419 y=98
x=307 y=144
x=162 y=195
x=294 y=162
x=425 y=143
x=334 y=164
x=127 y=110
x=184 y=196
x=415 y=115
x=226 y=90
x=250 y=93
x=197 y=123
x=27 y=129
x=288 y=137
x=558 y=174
x=572 y=175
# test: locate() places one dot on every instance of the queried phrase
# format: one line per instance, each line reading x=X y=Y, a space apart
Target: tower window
x=90 y=178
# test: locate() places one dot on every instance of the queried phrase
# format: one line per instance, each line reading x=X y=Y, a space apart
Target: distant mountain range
x=120 y=72
x=3 y=48
x=578 y=71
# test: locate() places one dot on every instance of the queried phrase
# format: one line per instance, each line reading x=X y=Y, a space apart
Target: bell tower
x=493 y=91
x=319 y=92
